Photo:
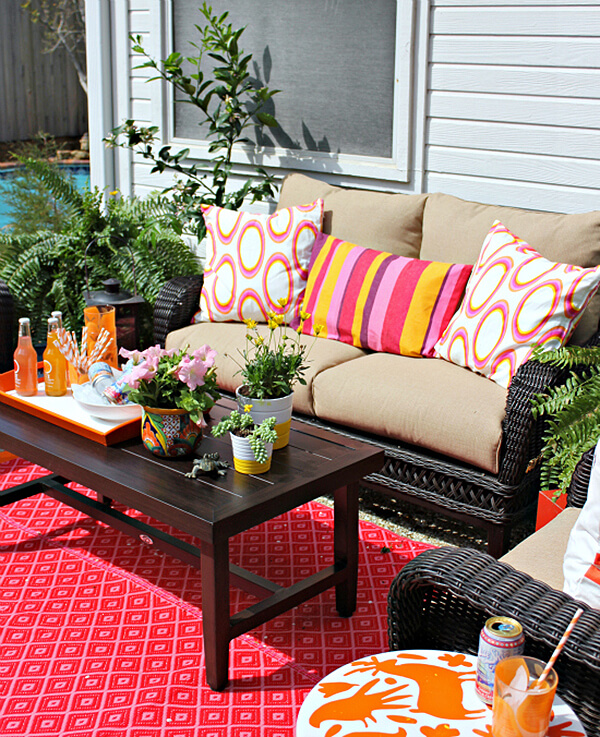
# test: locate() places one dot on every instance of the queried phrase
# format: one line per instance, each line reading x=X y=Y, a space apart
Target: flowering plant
x=272 y=364
x=169 y=379
x=243 y=425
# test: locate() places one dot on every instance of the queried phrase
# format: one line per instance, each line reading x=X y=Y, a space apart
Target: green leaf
x=267 y=119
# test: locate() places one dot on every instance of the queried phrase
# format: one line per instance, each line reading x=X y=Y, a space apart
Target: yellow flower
x=259 y=340
x=318 y=329
x=271 y=314
x=304 y=316
x=299 y=328
x=282 y=302
x=114 y=192
x=250 y=324
x=279 y=319
x=247 y=407
x=272 y=324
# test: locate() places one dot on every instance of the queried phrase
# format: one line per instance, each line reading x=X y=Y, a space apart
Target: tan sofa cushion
x=426 y=402
x=454 y=230
x=541 y=555
x=380 y=220
x=229 y=337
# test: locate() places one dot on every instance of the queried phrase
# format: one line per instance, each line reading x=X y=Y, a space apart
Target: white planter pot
x=280 y=409
x=243 y=456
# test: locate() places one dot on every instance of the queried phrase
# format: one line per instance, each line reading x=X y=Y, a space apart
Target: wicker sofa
x=454 y=441
x=442 y=598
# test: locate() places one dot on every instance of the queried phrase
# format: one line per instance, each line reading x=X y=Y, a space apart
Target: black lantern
x=128 y=307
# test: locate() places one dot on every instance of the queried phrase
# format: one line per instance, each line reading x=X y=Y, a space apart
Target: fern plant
x=45 y=270
x=572 y=412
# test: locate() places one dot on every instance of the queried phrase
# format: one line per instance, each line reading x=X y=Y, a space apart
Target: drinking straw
x=560 y=646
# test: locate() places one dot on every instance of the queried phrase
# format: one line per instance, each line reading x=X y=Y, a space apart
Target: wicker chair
x=7 y=329
x=442 y=598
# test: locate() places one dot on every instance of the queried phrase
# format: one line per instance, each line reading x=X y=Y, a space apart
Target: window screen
x=333 y=61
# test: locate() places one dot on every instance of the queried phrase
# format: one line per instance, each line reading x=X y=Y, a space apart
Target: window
x=343 y=68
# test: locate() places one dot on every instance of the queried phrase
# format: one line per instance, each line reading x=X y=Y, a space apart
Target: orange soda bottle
x=58 y=315
x=25 y=359
x=55 y=365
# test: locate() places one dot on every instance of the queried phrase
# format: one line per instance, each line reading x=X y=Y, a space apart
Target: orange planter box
x=547 y=509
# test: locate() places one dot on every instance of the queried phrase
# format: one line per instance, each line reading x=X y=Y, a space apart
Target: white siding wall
x=506 y=102
x=513 y=108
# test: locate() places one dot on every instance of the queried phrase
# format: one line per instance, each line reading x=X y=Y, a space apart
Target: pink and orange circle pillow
x=257 y=263
x=515 y=300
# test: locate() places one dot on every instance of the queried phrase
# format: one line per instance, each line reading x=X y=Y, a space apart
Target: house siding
x=506 y=103
x=513 y=103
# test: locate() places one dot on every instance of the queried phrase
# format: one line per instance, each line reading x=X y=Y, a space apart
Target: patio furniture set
x=427 y=431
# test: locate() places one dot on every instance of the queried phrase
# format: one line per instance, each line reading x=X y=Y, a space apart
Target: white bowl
x=87 y=398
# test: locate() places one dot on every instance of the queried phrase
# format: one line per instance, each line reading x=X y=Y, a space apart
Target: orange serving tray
x=100 y=431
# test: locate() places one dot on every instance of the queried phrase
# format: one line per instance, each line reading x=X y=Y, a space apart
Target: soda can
x=115 y=394
x=500 y=638
x=100 y=375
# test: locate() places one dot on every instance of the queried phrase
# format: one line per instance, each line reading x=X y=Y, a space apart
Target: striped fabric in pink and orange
x=375 y=300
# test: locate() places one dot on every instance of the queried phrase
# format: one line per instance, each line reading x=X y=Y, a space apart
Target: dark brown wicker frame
x=442 y=598
x=491 y=502
x=7 y=329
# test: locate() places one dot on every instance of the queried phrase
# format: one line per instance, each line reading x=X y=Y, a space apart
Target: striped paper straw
x=560 y=646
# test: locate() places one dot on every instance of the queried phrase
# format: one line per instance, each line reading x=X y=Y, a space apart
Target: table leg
x=215 y=613
x=345 y=546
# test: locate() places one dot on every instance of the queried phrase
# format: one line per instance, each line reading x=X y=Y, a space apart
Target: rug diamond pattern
x=102 y=635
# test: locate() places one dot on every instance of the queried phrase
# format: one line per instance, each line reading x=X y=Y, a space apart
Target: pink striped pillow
x=372 y=299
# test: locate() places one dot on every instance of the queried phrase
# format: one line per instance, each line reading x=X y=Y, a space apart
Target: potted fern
x=572 y=412
x=252 y=444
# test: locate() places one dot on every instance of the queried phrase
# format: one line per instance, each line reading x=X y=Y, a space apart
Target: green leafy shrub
x=45 y=270
x=572 y=412
x=228 y=103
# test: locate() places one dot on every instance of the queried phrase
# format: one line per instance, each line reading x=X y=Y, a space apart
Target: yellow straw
x=560 y=646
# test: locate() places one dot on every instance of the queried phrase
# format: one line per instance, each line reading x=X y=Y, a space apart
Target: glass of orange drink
x=522 y=706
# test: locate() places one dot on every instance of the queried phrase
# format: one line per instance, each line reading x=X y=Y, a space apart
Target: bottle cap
x=23 y=320
x=52 y=321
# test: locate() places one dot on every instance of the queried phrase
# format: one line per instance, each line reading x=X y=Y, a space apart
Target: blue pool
x=79 y=172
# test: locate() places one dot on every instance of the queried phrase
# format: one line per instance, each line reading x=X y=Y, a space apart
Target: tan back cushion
x=454 y=230
x=380 y=220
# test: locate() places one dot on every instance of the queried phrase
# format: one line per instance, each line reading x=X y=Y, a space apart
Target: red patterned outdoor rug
x=101 y=635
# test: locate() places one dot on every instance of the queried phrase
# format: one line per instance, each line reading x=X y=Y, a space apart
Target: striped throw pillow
x=375 y=300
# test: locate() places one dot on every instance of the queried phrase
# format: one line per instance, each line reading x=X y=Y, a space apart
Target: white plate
x=85 y=396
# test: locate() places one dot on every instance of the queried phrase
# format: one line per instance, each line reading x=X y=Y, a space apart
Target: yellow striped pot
x=280 y=408
x=243 y=456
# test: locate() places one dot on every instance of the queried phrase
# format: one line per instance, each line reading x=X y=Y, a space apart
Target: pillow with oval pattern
x=515 y=300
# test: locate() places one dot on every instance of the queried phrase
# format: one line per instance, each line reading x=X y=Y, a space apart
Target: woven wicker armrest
x=175 y=305
x=7 y=328
x=521 y=435
x=443 y=597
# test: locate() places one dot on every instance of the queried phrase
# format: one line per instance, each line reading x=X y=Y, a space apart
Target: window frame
x=396 y=168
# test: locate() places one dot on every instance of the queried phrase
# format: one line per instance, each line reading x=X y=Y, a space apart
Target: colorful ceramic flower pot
x=169 y=433
x=280 y=408
x=243 y=456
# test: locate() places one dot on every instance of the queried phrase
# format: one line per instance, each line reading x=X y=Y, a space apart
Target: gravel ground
x=424 y=526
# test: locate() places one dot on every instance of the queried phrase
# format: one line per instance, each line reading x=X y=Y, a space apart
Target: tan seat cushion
x=541 y=555
x=227 y=338
x=454 y=230
x=380 y=220
x=423 y=401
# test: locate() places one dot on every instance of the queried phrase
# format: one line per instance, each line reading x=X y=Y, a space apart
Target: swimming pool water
x=79 y=172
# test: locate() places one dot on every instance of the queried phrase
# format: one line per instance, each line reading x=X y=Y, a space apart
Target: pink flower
x=155 y=352
x=191 y=372
x=207 y=354
x=137 y=356
x=144 y=371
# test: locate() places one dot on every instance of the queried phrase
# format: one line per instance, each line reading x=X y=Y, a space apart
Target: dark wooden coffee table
x=315 y=462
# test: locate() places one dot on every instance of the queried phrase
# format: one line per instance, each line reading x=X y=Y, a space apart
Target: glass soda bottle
x=58 y=315
x=25 y=359
x=55 y=365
